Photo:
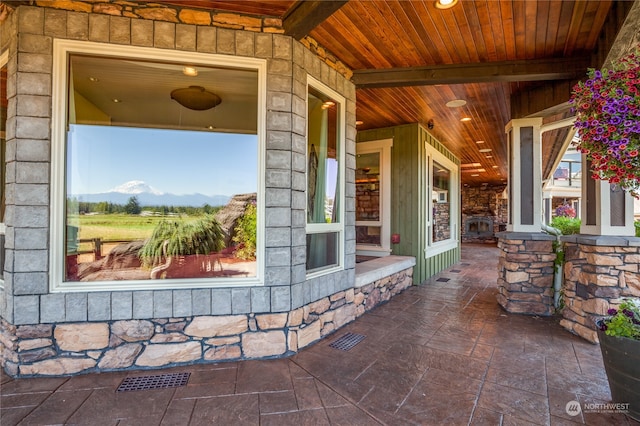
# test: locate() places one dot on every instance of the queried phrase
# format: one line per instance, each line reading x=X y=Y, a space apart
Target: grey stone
x=244 y=43
x=278 y=120
x=182 y=306
x=298 y=237
x=241 y=300
x=299 y=125
x=277 y=275
x=121 y=305
x=142 y=32
x=260 y=299
x=55 y=24
x=33 y=84
x=185 y=37
x=279 y=101
x=298 y=181
x=221 y=301
x=76 y=306
x=162 y=304
x=34 y=106
x=33 y=43
x=32 y=150
x=143 y=304
x=32 y=173
x=278 y=237
x=31 y=238
x=278 y=160
x=31 y=20
x=280 y=299
x=298 y=218
x=120 y=30
x=276 y=197
x=52 y=308
x=278 y=216
x=34 y=62
x=78 y=26
x=280 y=67
x=30 y=283
x=201 y=301
x=278 y=256
x=99 y=28
x=226 y=41
x=31 y=260
x=264 y=45
x=297 y=295
x=298 y=255
x=32 y=127
x=206 y=39
x=164 y=34
x=99 y=306
x=277 y=178
x=298 y=273
x=299 y=163
x=278 y=140
x=298 y=200
x=32 y=195
x=282 y=47
x=299 y=106
x=26 y=310
x=279 y=83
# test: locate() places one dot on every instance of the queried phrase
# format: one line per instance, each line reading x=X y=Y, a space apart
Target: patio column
x=605 y=209
x=525 y=174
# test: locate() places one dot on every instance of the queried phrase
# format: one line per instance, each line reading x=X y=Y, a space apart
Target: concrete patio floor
x=443 y=353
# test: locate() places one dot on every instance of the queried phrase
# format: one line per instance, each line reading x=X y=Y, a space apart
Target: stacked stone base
x=76 y=348
x=599 y=272
x=525 y=273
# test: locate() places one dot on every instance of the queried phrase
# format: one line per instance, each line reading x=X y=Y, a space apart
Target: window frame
x=435 y=248
x=4 y=61
x=383 y=147
x=320 y=228
x=60 y=77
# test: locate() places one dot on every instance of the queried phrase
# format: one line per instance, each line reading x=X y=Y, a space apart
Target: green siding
x=408 y=206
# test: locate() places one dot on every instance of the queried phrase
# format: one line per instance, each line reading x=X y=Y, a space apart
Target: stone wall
x=484 y=201
x=525 y=273
x=83 y=347
x=598 y=272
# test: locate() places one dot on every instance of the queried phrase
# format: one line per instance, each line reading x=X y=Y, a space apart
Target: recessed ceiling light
x=485 y=150
x=445 y=4
x=116 y=100
x=495 y=167
x=475 y=174
x=465 y=119
x=328 y=104
x=479 y=142
x=94 y=79
x=456 y=103
x=210 y=127
x=190 y=71
x=359 y=122
x=489 y=156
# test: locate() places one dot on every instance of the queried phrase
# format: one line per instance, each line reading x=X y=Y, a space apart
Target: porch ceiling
x=507 y=58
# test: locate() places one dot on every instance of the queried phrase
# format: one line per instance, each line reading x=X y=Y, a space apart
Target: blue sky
x=171 y=161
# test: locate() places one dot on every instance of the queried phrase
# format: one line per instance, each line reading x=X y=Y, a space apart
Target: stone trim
x=86 y=347
x=525 y=273
x=599 y=272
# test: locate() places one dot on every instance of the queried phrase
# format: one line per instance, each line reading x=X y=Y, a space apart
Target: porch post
x=605 y=208
x=525 y=174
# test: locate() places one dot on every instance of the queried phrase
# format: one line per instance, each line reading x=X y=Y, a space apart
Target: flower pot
x=621 y=358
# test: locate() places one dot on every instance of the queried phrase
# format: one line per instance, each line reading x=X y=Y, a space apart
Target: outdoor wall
x=39 y=326
x=408 y=207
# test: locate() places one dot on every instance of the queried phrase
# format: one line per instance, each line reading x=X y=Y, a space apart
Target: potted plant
x=619 y=335
x=607 y=108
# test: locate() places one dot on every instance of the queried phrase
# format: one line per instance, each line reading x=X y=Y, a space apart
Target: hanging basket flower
x=607 y=108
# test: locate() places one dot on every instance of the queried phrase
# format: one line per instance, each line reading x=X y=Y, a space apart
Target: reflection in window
x=3 y=147
x=158 y=186
x=323 y=181
x=368 y=200
x=441 y=224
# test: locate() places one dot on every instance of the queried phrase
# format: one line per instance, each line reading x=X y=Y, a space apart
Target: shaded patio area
x=440 y=353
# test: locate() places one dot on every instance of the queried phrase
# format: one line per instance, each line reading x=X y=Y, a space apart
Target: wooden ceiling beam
x=304 y=16
x=489 y=72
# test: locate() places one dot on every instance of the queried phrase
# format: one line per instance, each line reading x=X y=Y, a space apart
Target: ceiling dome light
x=190 y=71
x=445 y=4
x=465 y=119
x=196 y=98
x=456 y=103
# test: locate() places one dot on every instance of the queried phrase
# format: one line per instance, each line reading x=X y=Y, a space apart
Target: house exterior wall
x=43 y=332
x=408 y=180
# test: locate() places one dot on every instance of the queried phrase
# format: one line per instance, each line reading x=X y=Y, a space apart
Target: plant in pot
x=619 y=335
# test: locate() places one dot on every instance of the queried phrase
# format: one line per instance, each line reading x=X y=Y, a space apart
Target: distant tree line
x=133 y=207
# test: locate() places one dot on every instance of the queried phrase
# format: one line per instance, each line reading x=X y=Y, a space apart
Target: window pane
x=368 y=235
x=3 y=148
x=322 y=160
x=368 y=187
x=441 y=224
x=322 y=250
x=155 y=187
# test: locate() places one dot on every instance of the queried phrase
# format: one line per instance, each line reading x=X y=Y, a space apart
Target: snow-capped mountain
x=147 y=195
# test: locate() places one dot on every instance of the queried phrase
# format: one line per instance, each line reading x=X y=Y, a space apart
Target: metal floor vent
x=161 y=381
x=465 y=264
x=347 y=341
x=455 y=271
x=443 y=280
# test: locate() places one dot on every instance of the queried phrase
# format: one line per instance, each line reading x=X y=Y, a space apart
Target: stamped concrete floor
x=443 y=353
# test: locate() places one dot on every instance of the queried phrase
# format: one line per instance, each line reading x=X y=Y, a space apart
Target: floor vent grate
x=161 y=381
x=455 y=271
x=347 y=341
x=443 y=280
x=465 y=264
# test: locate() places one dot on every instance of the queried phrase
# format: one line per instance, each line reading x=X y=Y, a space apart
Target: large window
x=325 y=181
x=443 y=204
x=158 y=168
x=3 y=147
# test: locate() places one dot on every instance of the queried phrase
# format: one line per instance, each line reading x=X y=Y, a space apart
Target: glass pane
x=322 y=159
x=3 y=147
x=441 y=224
x=151 y=192
x=368 y=187
x=368 y=235
x=322 y=250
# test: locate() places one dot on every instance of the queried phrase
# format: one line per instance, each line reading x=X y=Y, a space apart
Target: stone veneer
x=525 y=273
x=599 y=271
x=83 y=347
x=485 y=201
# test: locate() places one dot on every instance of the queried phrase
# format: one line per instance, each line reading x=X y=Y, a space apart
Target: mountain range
x=150 y=196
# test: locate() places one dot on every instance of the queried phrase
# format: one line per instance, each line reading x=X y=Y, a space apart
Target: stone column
x=525 y=174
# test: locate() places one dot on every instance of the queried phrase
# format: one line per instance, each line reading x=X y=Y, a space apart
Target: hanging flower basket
x=607 y=108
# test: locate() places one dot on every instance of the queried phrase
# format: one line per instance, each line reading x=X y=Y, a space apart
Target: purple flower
x=612 y=311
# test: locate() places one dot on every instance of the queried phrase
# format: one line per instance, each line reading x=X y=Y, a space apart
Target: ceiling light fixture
x=456 y=103
x=94 y=79
x=465 y=119
x=445 y=4
x=190 y=71
x=328 y=104
x=485 y=150
x=196 y=98
x=475 y=175
x=116 y=100
x=359 y=122
x=479 y=142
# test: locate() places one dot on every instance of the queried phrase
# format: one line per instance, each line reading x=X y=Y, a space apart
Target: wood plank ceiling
x=494 y=44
